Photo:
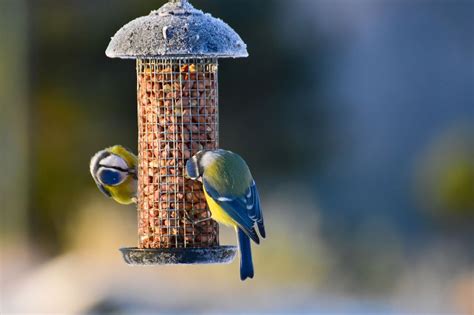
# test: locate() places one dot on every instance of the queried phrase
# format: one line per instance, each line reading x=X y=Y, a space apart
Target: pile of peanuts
x=177 y=117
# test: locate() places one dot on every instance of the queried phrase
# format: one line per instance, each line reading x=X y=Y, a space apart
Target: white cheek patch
x=224 y=199
x=114 y=161
x=94 y=162
x=196 y=166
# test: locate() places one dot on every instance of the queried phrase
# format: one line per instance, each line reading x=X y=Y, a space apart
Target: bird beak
x=133 y=172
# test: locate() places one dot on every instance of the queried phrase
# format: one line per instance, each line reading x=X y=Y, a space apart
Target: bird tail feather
x=246 y=265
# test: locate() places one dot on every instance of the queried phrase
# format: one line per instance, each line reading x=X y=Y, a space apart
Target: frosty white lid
x=176 y=30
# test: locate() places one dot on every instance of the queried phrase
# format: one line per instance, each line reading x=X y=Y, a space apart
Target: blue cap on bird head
x=111 y=177
x=193 y=168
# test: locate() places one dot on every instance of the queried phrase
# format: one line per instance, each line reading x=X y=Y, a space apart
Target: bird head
x=194 y=169
x=197 y=164
x=111 y=167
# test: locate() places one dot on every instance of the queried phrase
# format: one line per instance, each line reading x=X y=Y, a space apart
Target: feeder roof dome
x=176 y=30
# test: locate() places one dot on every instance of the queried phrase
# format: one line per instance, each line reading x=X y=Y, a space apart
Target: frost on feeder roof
x=176 y=30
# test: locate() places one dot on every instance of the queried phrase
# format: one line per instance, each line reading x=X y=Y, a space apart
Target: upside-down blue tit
x=115 y=172
x=232 y=197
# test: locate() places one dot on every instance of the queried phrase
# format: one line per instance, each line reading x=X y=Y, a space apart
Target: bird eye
x=110 y=177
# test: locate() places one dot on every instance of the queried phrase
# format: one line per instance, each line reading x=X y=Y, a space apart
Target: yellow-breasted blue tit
x=232 y=197
x=115 y=172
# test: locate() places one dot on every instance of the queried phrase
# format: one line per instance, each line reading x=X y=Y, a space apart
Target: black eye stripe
x=115 y=168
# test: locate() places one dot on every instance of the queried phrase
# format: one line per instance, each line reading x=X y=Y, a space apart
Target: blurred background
x=356 y=117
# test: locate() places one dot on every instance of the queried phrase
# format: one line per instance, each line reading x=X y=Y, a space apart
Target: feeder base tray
x=178 y=256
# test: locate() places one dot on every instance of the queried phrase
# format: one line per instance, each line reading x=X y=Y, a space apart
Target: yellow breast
x=125 y=192
x=218 y=213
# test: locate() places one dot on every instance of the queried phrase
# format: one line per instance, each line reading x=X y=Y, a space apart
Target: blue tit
x=115 y=172
x=232 y=197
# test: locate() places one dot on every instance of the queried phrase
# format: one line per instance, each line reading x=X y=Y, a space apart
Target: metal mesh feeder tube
x=176 y=50
x=177 y=112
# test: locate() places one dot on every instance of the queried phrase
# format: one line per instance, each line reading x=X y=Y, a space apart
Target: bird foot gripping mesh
x=177 y=117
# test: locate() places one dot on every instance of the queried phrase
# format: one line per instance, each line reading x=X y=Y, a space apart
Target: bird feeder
x=176 y=49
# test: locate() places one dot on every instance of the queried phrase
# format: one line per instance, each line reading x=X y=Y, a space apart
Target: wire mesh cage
x=177 y=117
x=177 y=49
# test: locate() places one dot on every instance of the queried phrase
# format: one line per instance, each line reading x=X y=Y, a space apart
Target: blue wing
x=256 y=211
x=245 y=210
